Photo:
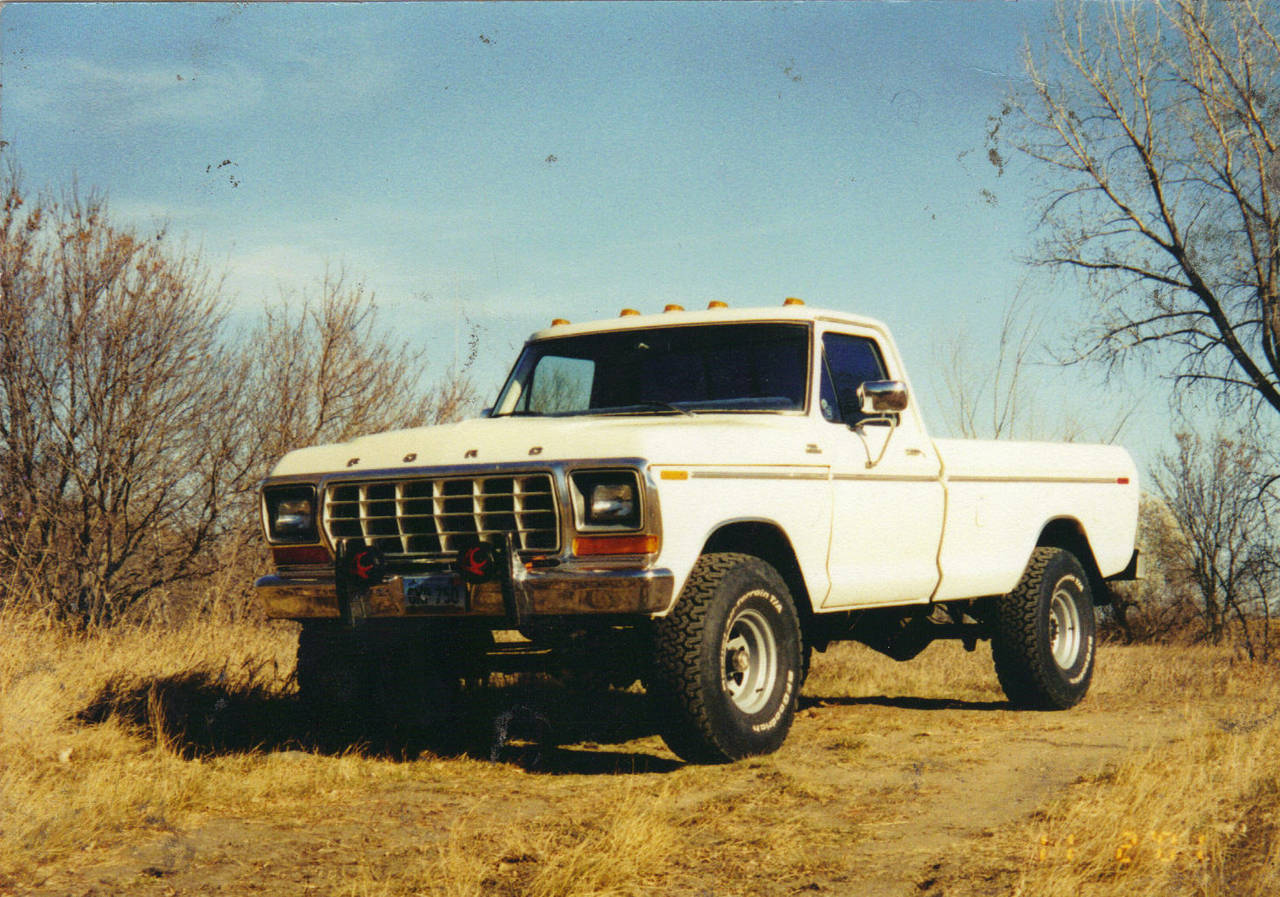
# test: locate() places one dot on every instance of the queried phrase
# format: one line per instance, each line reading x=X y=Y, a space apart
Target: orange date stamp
x=1158 y=845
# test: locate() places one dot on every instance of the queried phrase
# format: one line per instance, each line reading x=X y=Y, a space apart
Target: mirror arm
x=893 y=425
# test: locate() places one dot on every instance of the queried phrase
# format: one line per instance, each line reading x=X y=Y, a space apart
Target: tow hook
x=488 y=561
x=356 y=569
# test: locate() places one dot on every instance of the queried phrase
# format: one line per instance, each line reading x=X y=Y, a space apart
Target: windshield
x=720 y=367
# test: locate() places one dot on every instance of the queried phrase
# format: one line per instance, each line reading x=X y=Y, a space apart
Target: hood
x=660 y=439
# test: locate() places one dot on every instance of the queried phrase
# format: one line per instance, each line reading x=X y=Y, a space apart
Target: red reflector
x=587 y=545
x=1123 y=481
x=301 y=554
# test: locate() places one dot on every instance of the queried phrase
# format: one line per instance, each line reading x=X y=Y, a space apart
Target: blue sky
x=492 y=166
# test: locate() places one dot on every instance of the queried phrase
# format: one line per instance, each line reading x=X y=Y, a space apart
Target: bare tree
x=987 y=392
x=133 y=427
x=322 y=369
x=1156 y=126
x=1226 y=545
x=110 y=370
x=990 y=392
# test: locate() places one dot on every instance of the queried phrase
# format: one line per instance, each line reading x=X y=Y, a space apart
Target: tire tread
x=1015 y=646
x=685 y=720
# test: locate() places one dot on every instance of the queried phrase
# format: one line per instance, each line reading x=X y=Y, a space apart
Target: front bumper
x=558 y=592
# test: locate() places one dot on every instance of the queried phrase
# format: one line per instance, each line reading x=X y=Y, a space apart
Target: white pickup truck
x=695 y=499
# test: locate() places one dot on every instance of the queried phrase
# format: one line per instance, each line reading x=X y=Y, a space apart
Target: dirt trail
x=876 y=796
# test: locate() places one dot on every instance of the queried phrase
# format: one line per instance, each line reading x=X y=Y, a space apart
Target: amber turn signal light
x=585 y=546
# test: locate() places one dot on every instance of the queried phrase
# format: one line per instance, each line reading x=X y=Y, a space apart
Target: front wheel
x=728 y=661
x=1043 y=644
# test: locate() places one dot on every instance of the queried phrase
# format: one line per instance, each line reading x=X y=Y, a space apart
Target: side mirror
x=878 y=398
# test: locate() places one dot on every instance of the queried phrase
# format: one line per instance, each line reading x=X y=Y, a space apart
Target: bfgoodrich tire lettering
x=1043 y=644
x=728 y=661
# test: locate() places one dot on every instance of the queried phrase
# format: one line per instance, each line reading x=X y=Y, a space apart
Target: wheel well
x=1067 y=533
x=769 y=543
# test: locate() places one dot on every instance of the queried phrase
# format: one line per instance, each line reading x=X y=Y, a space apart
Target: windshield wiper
x=615 y=409
x=666 y=406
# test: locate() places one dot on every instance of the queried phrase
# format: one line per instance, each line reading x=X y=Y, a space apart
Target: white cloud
x=265 y=272
x=145 y=214
x=94 y=96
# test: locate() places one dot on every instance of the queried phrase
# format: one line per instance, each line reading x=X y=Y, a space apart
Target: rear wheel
x=728 y=661
x=1043 y=644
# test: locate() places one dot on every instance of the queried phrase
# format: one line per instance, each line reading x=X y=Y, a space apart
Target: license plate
x=443 y=592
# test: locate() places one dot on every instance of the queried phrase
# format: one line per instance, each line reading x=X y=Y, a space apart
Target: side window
x=560 y=384
x=848 y=362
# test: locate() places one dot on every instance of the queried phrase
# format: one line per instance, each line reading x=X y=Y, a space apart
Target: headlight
x=607 y=499
x=612 y=503
x=289 y=513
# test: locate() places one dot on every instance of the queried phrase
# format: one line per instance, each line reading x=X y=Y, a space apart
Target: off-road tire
x=727 y=661
x=1044 y=634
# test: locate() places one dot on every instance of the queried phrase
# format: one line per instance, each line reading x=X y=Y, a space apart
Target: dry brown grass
x=147 y=737
x=943 y=672
x=1198 y=816
x=74 y=773
x=602 y=852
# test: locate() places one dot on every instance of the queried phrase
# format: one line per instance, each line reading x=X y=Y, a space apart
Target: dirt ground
x=876 y=794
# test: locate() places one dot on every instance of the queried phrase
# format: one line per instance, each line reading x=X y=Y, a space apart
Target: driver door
x=887 y=493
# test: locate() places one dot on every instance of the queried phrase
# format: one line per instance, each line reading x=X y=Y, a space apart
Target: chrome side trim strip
x=1013 y=478
x=889 y=477
x=755 y=475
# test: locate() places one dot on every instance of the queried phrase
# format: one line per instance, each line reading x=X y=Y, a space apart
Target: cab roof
x=632 y=321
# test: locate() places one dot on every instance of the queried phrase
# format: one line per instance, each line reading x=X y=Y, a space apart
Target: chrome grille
x=425 y=518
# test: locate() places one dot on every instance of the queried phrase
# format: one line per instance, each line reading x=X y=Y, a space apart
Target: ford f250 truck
x=699 y=500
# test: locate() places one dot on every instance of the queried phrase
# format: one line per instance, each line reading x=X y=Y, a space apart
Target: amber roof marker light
x=716 y=303
x=671 y=306
x=792 y=300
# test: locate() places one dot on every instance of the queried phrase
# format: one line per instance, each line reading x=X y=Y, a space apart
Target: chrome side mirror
x=878 y=398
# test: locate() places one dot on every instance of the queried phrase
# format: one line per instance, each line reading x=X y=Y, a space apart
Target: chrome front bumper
x=550 y=593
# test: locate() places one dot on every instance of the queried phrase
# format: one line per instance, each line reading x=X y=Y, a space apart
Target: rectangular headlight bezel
x=607 y=500
x=289 y=514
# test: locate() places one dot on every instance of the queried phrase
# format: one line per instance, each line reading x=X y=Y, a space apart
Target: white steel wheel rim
x=749 y=661
x=1064 y=626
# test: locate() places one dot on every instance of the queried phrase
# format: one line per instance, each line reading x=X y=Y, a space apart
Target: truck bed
x=1001 y=494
